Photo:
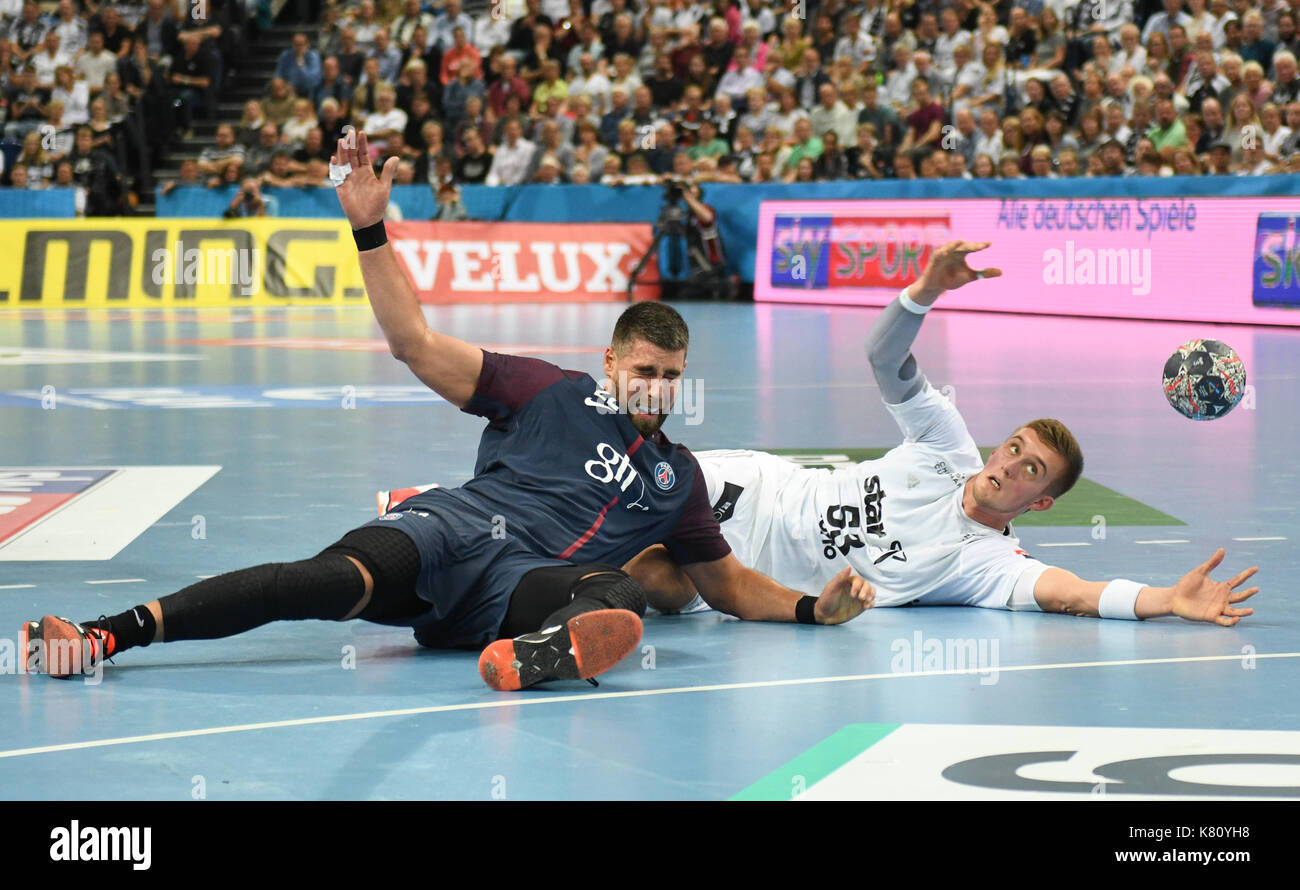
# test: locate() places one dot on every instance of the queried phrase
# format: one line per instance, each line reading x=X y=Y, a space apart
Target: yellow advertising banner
x=178 y=262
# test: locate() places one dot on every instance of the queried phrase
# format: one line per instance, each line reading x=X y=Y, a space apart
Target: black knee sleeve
x=393 y=561
x=327 y=586
x=616 y=589
x=554 y=594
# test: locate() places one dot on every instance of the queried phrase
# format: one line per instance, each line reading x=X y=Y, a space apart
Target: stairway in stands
x=250 y=82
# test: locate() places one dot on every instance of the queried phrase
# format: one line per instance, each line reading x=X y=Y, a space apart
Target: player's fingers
x=1237 y=612
x=1243 y=595
x=1241 y=579
x=347 y=146
x=989 y=273
x=1225 y=621
x=1210 y=564
x=973 y=246
x=363 y=150
x=390 y=170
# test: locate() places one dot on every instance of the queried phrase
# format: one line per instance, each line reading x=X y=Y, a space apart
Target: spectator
x=443 y=33
x=432 y=150
x=388 y=120
x=215 y=157
x=74 y=94
x=508 y=83
x=332 y=86
x=450 y=206
x=510 y=162
x=248 y=201
x=249 y=128
x=157 y=31
x=364 y=25
x=412 y=17
x=389 y=56
x=591 y=82
x=95 y=64
x=192 y=76
x=118 y=38
x=924 y=118
x=332 y=124
x=188 y=177
x=313 y=149
x=459 y=91
x=804 y=144
x=295 y=130
x=257 y=160
x=28 y=34
x=300 y=66
x=26 y=106
x=473 y=165
x=95 y=170
x=983 y=168
x=351 y=58
x=49 y=60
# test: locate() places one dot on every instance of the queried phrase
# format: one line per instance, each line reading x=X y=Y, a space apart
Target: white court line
x=15 y=586
x=1067 y=544
x=1260 y=539
x=640 y=693
x=1171 y=541
x=261 y=517
x=118 y=581
x=204 y=577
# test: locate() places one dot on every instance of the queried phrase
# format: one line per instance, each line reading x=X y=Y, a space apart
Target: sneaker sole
x=63 y=648
x=597 y=641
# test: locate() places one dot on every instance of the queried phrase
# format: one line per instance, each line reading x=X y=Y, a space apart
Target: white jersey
x=897 y=520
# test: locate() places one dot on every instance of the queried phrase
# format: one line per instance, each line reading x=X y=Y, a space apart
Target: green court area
x=1085 y=501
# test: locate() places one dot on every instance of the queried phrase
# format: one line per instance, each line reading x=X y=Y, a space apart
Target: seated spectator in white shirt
x=386 y=119
x=512 y=158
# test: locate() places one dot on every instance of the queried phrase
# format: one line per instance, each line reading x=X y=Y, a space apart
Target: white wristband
x=1119 y=599
x=911 y=305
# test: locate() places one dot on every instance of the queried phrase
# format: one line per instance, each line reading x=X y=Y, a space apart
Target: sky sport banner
x=484 y=262
x=1175 y=258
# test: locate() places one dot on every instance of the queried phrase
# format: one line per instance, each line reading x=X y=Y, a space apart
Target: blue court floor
x=143 y=450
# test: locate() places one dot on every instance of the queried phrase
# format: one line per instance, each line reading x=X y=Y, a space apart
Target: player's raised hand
x=948 y=270
x=846 y=597
x=1197 y=597
x=364 y=195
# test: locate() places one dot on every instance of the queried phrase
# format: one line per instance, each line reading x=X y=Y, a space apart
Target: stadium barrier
x=261 y=262
x=1173 y=258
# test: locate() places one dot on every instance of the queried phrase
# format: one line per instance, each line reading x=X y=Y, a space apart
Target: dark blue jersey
x=569 y=476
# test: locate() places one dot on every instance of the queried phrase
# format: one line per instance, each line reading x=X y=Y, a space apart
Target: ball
x=1204 y=379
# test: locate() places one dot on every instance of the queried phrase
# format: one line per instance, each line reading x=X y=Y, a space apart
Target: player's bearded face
x=645 y=379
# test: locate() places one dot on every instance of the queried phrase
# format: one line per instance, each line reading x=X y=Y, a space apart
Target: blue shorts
x=469 y=567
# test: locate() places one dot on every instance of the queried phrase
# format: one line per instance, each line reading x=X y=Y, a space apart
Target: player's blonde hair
x=1057 y=436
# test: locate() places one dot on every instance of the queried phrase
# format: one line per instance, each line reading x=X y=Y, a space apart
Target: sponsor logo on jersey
x=845 y=525
x=664 y=475
x=725 y=507
x=895 y=551
x=390 y=517
x=912 y=481
x=943 y=469
x=873 y=518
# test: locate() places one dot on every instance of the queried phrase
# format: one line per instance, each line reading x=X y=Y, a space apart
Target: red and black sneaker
x=65 y=648
x=387 y=500
x=587 y=645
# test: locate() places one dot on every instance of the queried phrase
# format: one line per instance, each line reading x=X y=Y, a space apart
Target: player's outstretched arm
x=448 y=366
x=729 y=587
x=889 y=342
x=1196 y=596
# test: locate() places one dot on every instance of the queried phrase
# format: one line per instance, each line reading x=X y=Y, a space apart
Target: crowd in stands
x=633 y=91
x=92 y=96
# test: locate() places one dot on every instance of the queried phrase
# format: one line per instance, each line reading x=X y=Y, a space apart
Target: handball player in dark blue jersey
x=573 y=479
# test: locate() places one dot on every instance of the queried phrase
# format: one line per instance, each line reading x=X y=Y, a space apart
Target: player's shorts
x=468 y=567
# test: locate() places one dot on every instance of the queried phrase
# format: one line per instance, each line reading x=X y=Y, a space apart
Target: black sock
x=134 y=627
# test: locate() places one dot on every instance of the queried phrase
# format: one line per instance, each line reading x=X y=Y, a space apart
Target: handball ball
x=1204 y=379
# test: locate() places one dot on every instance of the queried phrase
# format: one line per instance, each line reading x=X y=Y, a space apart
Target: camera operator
x=248 y=201
x=708 y=262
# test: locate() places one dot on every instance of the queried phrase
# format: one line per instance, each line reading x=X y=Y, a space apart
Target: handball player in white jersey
x=929 y=522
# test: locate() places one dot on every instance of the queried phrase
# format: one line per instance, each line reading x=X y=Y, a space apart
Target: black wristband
x=371 y=236
x=803 y=610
